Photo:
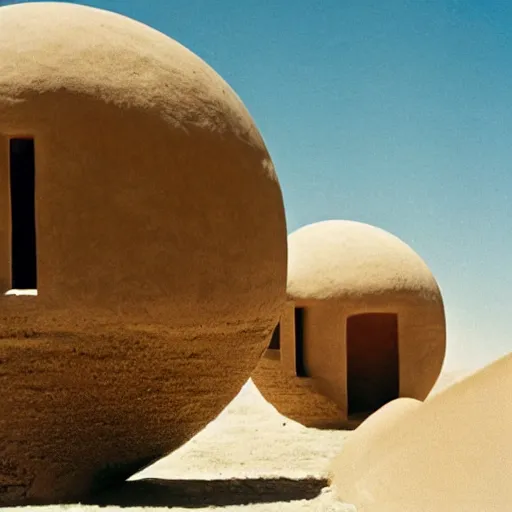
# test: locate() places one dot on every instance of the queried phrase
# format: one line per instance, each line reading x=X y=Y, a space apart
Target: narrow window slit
x=300 y=367
x=23 y=221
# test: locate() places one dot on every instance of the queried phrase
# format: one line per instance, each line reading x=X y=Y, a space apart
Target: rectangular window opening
x=300 y=367
x=275 y=342
x=23 y=220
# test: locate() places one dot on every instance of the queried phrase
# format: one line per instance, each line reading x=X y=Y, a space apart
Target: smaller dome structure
x=364 y=325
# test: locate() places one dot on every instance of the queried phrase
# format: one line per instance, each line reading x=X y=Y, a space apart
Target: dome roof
x=339 y=259
x=54 y=47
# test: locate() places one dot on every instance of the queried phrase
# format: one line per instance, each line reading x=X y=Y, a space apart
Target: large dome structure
x=138 y=197
x=364 y=325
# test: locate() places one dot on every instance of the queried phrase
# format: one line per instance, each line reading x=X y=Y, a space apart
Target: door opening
x=23 y=225
x=372 y=361
x=300 y=367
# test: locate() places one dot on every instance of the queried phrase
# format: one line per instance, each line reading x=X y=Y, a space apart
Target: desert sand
x=452 y=453
x=250 y=458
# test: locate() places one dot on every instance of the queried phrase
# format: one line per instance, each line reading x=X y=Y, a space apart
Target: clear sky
x=397 y=113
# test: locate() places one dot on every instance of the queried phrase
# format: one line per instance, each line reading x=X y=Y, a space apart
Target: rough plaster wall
x=422 y=346
x=422 y=343
x=300 y=399
x=421 y=337
x=325 y=353
x=296 y=398
x=452 y=452
x=89 y=409
x=161 y=250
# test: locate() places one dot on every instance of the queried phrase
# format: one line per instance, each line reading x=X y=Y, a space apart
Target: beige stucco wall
x=325 y=353
x=421 y=345
x=421 y=342
x=300 y=399
x=161 y=250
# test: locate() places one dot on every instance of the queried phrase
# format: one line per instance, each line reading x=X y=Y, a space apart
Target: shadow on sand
x=204 y=493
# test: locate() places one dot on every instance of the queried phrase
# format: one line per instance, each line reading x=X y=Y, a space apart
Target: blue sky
x=395 y=113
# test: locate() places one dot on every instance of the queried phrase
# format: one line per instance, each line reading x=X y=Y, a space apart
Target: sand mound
x=452 y=453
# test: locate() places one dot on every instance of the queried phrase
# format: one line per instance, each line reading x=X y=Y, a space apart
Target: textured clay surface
x=299 y=399
x=161 y=250
x=452 y=452
x=343 y=274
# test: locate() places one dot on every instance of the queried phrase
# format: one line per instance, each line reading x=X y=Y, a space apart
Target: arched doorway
x=372 y=361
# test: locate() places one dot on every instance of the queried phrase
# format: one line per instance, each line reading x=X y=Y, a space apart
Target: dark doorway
x=22 y=182
x=372 y=361
x=275 y=341
x=300 y=367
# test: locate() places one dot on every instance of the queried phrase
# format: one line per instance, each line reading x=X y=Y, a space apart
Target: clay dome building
x=364 y=324
x=138 y=198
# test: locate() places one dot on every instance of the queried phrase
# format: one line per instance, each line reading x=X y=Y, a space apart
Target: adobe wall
x=325 y=352
x=203 y=210
x=141 y=332
x=421 y=346
x=84 y=410
x=421 y=339
x=296 y=398
x=300 y=399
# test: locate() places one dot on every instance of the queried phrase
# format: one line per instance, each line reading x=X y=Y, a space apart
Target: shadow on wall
x=204 y=493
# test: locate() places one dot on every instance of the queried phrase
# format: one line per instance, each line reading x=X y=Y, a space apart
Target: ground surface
x=249 y=459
